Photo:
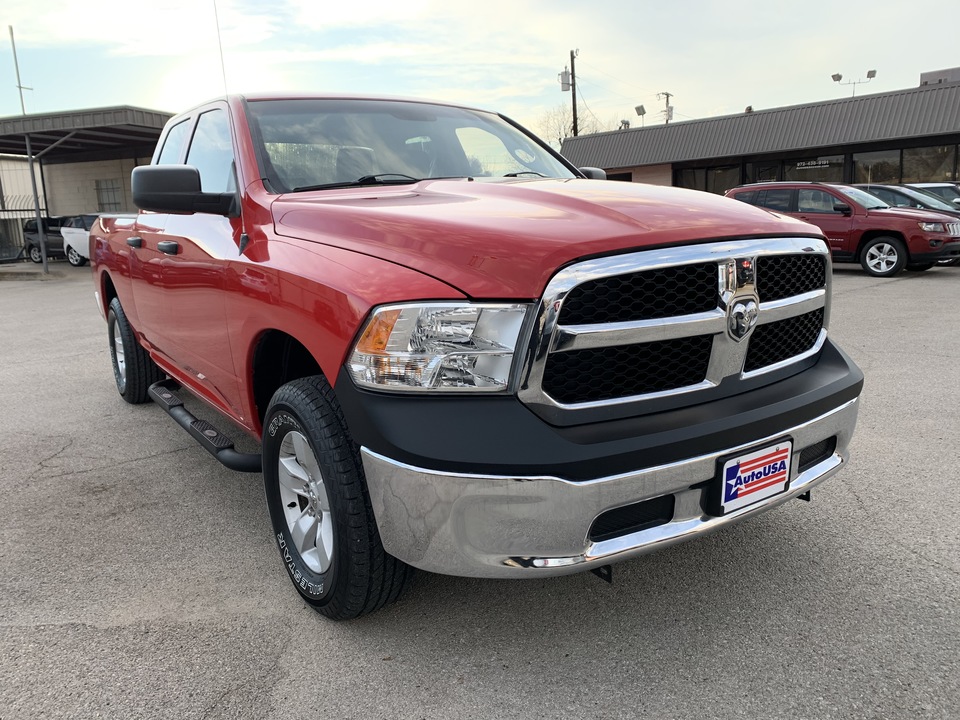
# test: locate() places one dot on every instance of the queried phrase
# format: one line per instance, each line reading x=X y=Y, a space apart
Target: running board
x=164 y=394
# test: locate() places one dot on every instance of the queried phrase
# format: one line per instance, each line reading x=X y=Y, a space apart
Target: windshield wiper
x=525 y=172
x=379 y=179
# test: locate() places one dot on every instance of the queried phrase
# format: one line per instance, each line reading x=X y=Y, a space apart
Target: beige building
x=83 y=162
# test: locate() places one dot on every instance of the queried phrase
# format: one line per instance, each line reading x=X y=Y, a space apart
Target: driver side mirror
x=592 y=173
x=842 y=208
x=176 y=189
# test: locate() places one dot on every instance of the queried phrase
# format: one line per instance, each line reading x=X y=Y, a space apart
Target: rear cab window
x=172 y=149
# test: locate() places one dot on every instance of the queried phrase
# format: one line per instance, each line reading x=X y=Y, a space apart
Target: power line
x=619 y=80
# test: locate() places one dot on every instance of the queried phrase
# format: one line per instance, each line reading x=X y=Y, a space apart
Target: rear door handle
x=168 y=247
x=135 y=242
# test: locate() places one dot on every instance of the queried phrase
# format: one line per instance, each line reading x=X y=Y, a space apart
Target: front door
x=816 y=206
x=195 y=252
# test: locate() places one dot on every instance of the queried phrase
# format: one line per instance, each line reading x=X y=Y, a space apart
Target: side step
x=164 y=394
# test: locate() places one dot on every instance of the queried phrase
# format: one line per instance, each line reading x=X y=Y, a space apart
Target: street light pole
x=33 y=178
x=837 y=77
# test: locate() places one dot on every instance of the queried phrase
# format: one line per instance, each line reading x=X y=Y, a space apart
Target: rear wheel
x=75 y=258
x=133 y=370
x=323 y=523
x=883 y=256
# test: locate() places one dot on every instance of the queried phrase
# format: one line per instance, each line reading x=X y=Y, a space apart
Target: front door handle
x=168 y=247
x=135 y=242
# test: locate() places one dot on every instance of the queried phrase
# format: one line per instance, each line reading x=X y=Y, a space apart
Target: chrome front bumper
x=510 y=527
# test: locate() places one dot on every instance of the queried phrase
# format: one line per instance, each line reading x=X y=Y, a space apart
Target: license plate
x=754 y=476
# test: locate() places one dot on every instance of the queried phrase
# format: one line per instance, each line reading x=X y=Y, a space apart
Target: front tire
x=133 y=370
x=75 y=258
x=35 y=254
x=883 y=256
x=322 y=520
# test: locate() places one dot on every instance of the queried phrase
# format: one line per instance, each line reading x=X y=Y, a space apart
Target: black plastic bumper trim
x=489 y=435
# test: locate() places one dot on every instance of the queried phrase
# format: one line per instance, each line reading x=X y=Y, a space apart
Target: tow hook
x=605 y=572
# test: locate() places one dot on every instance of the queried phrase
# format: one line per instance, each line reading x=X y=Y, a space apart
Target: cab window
x=172 y=149
x=211 y=152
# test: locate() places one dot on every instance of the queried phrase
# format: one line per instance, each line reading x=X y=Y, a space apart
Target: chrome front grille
x=661 y=324
x=953 y=229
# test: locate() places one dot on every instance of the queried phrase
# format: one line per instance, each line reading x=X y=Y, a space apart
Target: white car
x=76 y=238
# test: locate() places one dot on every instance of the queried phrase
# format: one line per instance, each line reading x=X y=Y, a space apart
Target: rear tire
x=75 y=258
x=133 y=370
x=317 y=497
x=883 y=256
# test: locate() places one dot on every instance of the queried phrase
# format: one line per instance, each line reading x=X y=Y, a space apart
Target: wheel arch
x=278 y=358
x=871 y=234
x=108 y=291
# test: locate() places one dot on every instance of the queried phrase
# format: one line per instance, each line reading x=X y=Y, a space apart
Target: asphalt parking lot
x=139 y=578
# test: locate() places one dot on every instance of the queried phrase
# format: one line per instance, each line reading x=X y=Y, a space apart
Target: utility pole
x=668 y=112
x=568 y=81
x=573 y=88
x=33 y=177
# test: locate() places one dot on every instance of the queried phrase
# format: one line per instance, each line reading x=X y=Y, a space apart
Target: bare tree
x=556 y=124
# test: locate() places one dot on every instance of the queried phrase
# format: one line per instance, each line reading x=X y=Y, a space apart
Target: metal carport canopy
x=84 y=135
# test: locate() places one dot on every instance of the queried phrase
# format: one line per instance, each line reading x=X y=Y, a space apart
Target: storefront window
x=762 y=171
x=721 y=179
x=693 y=178
x=929 y=164
x=882 y=166
x=826 y=168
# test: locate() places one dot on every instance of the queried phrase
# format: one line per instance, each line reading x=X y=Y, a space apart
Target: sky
x=715 y=58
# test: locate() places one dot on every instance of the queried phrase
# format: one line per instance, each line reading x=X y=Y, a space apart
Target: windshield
x=927 y=200
x=947 y=193
x=315 y=144
x=862 y=197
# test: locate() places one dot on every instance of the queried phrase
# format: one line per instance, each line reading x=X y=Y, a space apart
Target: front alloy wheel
x=883 y=257
x=306 y=506
x=323 y=522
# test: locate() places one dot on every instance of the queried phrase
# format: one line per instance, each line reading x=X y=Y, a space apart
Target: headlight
x=438 y=346
x=932 y=227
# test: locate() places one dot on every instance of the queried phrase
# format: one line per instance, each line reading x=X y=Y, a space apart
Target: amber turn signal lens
x=377 y=334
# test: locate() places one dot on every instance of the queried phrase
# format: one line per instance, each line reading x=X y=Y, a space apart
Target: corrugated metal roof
x=60 y=135
x=916 y=112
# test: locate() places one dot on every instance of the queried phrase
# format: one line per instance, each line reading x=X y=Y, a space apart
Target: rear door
x=145 y=257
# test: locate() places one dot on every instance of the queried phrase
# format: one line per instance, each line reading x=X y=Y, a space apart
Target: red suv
x=861 y=227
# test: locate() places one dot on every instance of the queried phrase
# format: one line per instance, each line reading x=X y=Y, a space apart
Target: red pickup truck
x=459 y=352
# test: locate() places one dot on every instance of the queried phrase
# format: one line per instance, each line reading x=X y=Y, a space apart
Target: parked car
x=912 y=197
x=54 y=240
x=947 y=190
x=76 y=238
x=860 y=227
x=900 y=196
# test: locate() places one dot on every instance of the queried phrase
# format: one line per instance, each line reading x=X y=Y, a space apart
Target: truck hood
x=505 y=239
